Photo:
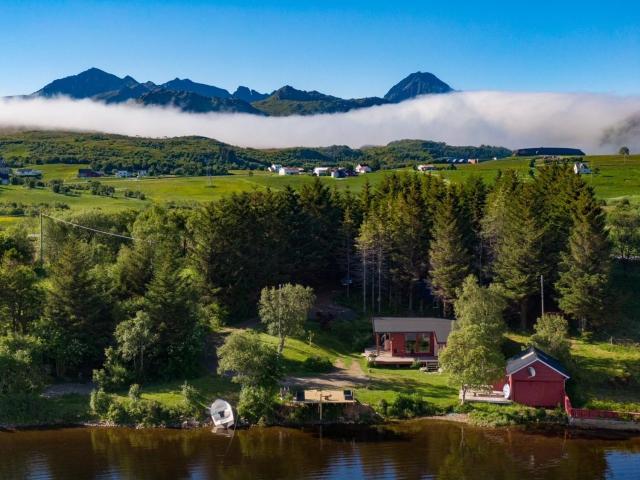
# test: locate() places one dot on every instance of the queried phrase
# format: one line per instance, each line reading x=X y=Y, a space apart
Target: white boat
x=222 y=414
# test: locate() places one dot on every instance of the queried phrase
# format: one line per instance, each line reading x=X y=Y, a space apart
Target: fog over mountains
x=190 y=96
x=415 y=108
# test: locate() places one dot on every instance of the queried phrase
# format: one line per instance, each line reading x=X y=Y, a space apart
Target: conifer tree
x=584 y=269
x=517 y=263
x=77 y=322
x=449 y=257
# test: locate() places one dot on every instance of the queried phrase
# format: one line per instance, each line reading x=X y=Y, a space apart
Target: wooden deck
x=385 y=358
x=485 y=397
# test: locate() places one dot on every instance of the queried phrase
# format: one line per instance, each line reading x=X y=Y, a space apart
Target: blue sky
x=338 y=47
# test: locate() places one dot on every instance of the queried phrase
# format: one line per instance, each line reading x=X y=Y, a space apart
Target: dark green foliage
x=410 y=406
x=450 y=260
x=137 y=411
x=21 y=297
x=552 y=336
x=77 y=323
x=21 y=364
x=257 y=404
x=317 y=364
x=585 y=268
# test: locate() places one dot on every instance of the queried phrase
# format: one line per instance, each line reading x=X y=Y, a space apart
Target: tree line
x=143 y=308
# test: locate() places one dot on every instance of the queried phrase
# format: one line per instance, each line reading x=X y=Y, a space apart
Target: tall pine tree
x=449 y=257
x=584 y=269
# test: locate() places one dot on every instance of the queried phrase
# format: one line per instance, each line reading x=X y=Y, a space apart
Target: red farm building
x=405 y=340
x=535 y=379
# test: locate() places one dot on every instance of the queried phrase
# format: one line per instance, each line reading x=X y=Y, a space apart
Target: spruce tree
x=449 y=257
x=517 y=264
x=584 y=269
x=77 y=322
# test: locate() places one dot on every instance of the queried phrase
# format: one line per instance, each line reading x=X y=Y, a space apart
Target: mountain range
x=190 y=96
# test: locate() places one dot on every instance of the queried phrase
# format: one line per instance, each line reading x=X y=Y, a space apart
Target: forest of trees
x=129 y=311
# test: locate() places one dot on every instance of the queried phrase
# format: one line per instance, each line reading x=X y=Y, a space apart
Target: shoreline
x=631 y=429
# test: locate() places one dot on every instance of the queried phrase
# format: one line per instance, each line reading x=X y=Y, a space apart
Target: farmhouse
x=322 y=171
x=275 y=168
x=426 y=168
x=535 y=379
x=123 y=174
x=405 y=340
x=580 y=168
x=363 y=168
x=288 y=171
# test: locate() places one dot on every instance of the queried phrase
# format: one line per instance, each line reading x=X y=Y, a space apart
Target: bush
x=135 y=411
x=317 y=364
x=256 y=404
x=192 y=402
x=410 y=406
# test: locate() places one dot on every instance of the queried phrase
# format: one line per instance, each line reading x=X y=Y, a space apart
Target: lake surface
x=414 y=450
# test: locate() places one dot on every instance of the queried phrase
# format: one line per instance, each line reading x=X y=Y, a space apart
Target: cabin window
x=425 y=344
x=410 y=343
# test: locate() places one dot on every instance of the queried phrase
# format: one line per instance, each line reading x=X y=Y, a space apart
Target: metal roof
x=531 y=355
x=440 y=326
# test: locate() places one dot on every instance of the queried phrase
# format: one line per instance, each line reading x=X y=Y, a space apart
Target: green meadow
x=616 y=177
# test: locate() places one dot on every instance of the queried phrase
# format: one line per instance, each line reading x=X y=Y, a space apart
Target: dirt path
x=340 y=377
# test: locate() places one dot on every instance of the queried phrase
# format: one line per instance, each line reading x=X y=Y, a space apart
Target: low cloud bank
x=596 y=123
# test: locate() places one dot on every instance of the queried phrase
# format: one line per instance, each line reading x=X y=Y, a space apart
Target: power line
x=95 y=230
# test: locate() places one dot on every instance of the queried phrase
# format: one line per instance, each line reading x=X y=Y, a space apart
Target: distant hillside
x=192 y=155
x=191 y=96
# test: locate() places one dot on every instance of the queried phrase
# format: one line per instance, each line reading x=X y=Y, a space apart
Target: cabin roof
x=531 y=355
x=440 y=326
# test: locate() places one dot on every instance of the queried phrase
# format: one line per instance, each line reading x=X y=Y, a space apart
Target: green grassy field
x=618 y=177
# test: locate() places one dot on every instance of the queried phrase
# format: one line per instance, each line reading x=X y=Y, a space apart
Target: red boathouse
x=535 y=379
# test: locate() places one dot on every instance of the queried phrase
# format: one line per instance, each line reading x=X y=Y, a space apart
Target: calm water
x=426 y=449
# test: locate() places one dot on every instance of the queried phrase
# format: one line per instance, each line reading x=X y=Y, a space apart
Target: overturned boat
x=222 y=414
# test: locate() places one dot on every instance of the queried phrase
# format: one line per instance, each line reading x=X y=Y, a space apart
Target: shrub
x=317 y=364
x=134 y=392
x=191 y=400
x=410 y=406
x=256 y=404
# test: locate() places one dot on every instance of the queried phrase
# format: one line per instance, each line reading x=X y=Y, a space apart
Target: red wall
x=398 y=345
x=545 y=389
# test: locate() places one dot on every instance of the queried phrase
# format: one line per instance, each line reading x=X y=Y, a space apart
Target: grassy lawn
x=605 y=375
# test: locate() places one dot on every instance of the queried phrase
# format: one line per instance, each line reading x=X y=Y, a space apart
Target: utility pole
x=41 y=242
x=542 y=293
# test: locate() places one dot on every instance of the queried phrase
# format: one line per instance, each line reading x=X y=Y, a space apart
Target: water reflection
x=413 y=450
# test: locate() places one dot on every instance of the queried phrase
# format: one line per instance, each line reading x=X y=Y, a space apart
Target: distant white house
x=288 y=171
x=322 y=171
x=274 y=168
x=28 y=172
x=363 y=168
x=580 y=168
x=143 y=173
x=426 y=168
x=123 y=174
